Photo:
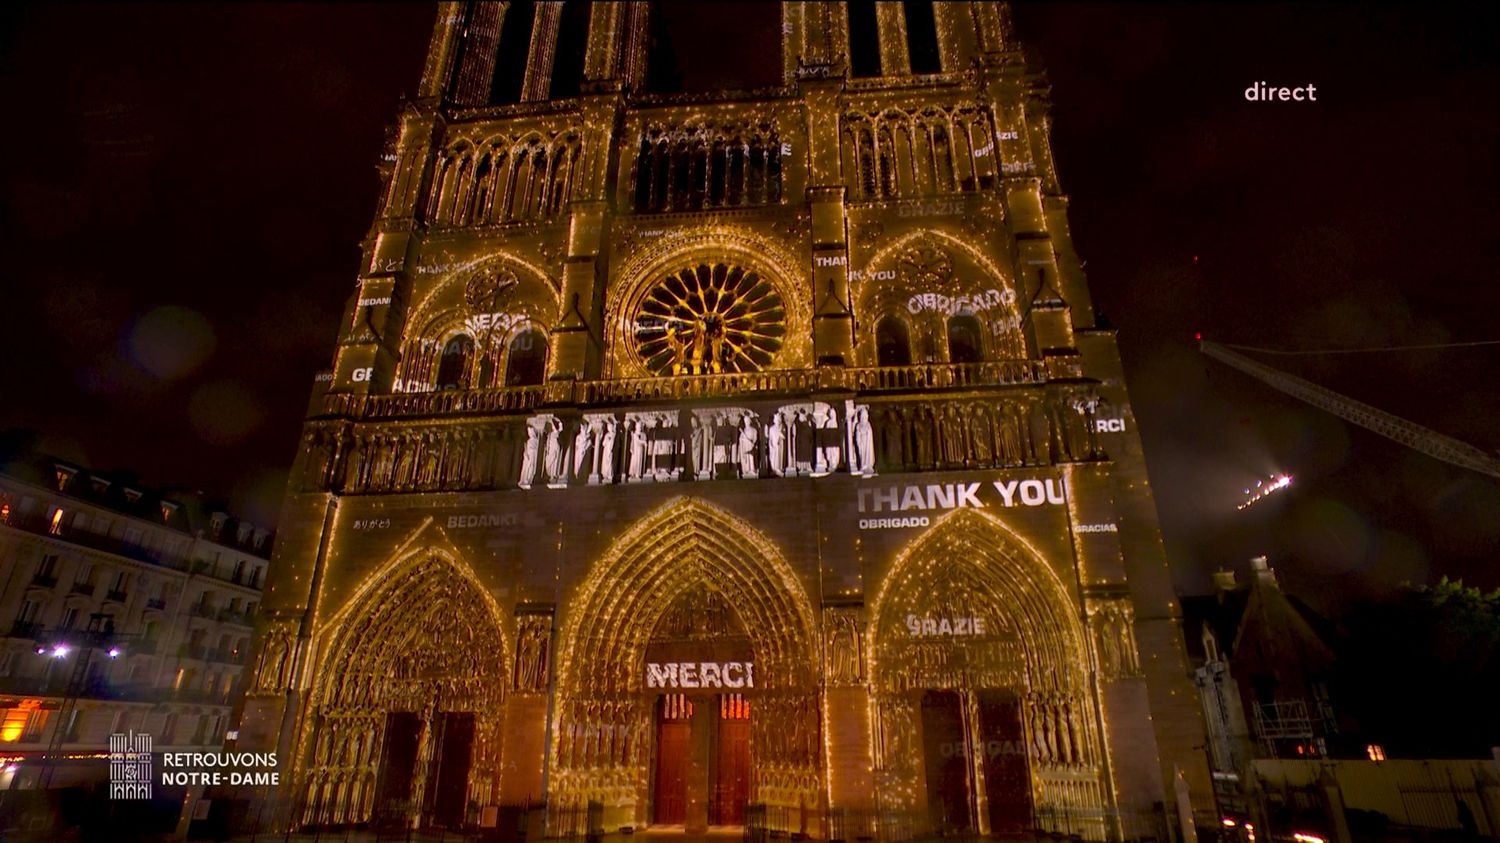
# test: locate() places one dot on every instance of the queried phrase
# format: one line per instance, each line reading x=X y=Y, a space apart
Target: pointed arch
x=972 y=553
x=602 y=748
x=421 y=638
x=412 y=590
x=687 y=543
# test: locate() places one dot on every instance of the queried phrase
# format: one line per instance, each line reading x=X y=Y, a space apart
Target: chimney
x=1263 y=573
x=1224 y=581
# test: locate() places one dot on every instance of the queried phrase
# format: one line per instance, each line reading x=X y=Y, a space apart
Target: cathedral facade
x=723 y=458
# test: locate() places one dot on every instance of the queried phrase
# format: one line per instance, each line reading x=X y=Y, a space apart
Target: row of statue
x=809 y=438
x=1055 y=726
x=1114 y=639
x=729 y=442
x=598 y=733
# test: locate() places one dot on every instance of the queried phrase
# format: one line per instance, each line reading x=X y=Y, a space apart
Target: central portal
x=700 y=669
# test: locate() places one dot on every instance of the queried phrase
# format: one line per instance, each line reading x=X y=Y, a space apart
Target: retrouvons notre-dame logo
x=129 y=766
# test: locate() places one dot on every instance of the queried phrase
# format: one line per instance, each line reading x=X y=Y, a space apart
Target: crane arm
x=1413 y=436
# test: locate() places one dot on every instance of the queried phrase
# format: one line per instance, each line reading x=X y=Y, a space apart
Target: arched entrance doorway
x=984 y=719
x=405 y=710
x=686 y=688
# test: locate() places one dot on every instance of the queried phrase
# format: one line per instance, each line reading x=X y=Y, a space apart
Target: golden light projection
x=684 y=546
x=779 y=298
x=710 y=319
x=421 y=630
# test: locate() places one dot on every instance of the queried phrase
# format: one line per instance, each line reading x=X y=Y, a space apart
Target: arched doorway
x=983 y=715
x=964 y=339
x=405 y=710
x=892 y=342
x=526 y=363
x=686 y=687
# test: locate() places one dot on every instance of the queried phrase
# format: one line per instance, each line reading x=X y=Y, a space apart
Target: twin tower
x=701 y=457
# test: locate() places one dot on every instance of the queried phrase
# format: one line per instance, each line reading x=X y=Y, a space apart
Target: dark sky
x=185 y=186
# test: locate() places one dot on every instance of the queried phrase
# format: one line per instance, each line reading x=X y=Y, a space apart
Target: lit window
x=4 y=513
x=1375 y=751
x=56 y=527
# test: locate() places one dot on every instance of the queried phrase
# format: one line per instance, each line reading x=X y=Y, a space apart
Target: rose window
x=710 y=319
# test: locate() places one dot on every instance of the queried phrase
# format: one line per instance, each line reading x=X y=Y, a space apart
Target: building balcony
x=205 y=610
x=157 y=603
x=84 y=588
x=44 y=581
x=115 y=596
x=235 y=617
x=40 y=526
x=25 y=629
x=874 y=379
x=192 y=651
x=226 y=655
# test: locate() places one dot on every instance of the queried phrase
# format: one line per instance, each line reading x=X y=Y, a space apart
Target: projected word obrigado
x=700 y=675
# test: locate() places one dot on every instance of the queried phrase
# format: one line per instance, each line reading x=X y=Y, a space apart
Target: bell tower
x=720 y=456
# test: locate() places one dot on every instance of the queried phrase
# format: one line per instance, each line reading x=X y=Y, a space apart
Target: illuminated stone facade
x=727 y=458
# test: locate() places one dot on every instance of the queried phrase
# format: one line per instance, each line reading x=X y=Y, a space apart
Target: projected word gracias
x=700 y=675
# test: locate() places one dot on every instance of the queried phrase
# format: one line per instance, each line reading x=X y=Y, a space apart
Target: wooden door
x=456 y=748
x=1007 y=777
x=946 y=756
x=398 y=762
x=674 y=729
x=732 y=762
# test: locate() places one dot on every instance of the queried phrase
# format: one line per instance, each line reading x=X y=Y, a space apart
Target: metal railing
x=994 y=373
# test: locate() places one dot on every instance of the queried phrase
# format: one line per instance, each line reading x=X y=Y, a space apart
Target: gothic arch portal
x=421 y=643
x=603 y=750
x=972 y=617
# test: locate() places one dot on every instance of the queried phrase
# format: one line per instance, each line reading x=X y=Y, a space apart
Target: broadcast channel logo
x=129 y=766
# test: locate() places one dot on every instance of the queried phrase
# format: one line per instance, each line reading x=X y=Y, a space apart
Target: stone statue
x=702 y=441
x=864 y=443
x=607 y=452
x=748 y=438
x=637 y=450
x=776 y=444
x=528 y=458
x=824 y=424
x=531 y=661
x=843 y=649
x=582 y=449
x=552 y=456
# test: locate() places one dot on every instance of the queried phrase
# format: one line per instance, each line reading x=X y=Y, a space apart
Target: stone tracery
x=683 y=547
x=423 y=637
x=970 y=565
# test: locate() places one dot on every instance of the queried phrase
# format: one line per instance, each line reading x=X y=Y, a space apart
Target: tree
x=1420 y=672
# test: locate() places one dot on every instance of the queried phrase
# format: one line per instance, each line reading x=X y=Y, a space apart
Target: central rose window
x=710 y=319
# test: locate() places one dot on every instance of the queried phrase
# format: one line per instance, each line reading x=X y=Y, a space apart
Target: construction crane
x=1413 y=436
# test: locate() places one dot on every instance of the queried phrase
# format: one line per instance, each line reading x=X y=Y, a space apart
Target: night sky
x=185 y=187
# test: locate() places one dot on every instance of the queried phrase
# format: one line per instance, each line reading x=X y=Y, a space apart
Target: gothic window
x=885 y=166
x=710 y=319
x=864 y=39
x=939 y=150
x=483 y=178
x=964 y=339
x=514 y=51
x=526 y=363
x=572 y=39
x=699 y=167
x=892 y=342
x=453 y=369
x=921 y=37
